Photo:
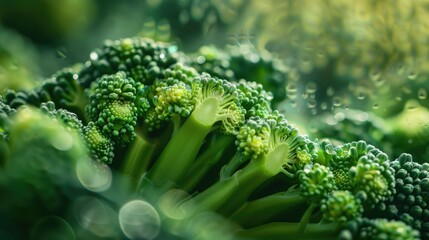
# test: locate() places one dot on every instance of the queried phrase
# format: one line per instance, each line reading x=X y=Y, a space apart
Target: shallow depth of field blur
x=360 y=65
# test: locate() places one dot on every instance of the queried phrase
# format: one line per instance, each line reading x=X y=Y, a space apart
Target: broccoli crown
x=100 y=146
x=254 y=99
x=141 y=59
x=364 y=170
x=267 y=136
x=171 y=96
x=69 y=119
x=316 y=181
x=16 y=99
x=341 y=207
x=64 y=90
x=114 y=106
x=253 y=137
x=386 y=230
x=223 y=97
x=410 y=202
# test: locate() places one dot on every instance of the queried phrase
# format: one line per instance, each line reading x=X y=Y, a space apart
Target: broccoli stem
x=183 y=147
x=205 y=161
x=229 y=195
x=138 y=158
x=282 y=230
x=237 y=187
x=231 y=167
x=267 y=207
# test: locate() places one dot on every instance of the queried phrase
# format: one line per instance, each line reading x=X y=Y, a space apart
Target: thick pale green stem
x=229 y=195
x=283 y=230
x=182 y=149
x=267 y=207
x=138 y=158
x=205 y=161
x=234 y=190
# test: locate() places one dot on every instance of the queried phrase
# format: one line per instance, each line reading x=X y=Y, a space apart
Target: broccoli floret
x=364 y=170
x=410 y=202
x=143 y=60
x=69 y=119
x=65 y=91
x=99 y=145
x=114 y=106
x=385 y=230
x=341 y=207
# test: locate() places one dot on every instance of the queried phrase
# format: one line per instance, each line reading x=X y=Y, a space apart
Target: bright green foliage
x=316 y=182
x=411 y=200
x=341 y=207
x=99 y=145
x=382 y=229
x=143 y=60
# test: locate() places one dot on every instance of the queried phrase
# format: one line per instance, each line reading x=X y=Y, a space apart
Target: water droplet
x=339 y=116
x=411 y=105
x=52 y=227
x=324 y=106
x=375 y=76
x=293 y=103
x=94 y=176
x=162 y=55
x=93 y=56
x=410 y=141
x=412 y=75
x=330 y=91
x=61 y=53
x=95 y=216
x=311 y=88
x=422 y=93
x=291 y=90
x=311 y=103
x=375 y=106
x=336 y=101
x=398 y=98
x=139 y=220
x=361 y=95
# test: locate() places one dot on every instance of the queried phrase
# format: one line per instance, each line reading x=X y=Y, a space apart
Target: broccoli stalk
x=217 y=102
x=285 y=152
